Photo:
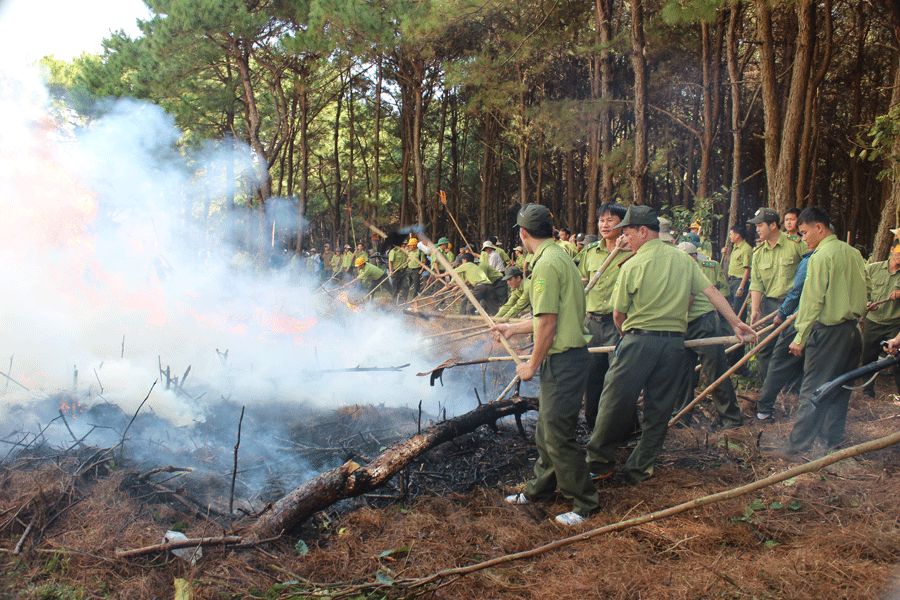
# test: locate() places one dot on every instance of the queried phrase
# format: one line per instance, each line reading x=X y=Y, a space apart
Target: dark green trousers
x=769 y=305
x=784 y=369
x=873 y=334
x=560 y=460
x=400 y=282
x=642 y=362
x=714 y=363
x=602 y=334
x=829 y=353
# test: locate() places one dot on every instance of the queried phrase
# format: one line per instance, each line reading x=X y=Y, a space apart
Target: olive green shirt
x=502 y=254
x=492 y=274
x=835 y=288
x=471 y=274
x=773 y=269
x=556 y=289
x=416 y=259
x=523 y=303
x=741 y=257
x=700 y=305
x=654 y=287
x=799 y=240
x=599 y=299
x=514 y=296
x=436 y=264
x=369 y=272
x=880 y=282
x=335 y=261
x=397 y=259
x=347 y=259
x=570 y=248
x=716 y=276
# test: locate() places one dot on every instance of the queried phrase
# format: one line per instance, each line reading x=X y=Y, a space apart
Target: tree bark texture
x=350 y=479
x=639 y=65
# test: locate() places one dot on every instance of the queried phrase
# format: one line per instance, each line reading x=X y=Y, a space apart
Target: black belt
x=817 y=326
x=600 y=318
x=668 y=334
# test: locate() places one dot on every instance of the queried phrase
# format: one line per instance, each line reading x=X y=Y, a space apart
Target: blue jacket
x=792 y=300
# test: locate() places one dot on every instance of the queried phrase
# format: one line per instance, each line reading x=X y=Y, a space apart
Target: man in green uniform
x=347 y=260
x=739 y=265
x=650 y=306
x=481 y=286
x=560 y=352
x=371 y=276
x=772 y=272
x=398 y=261
x=327 y=262
x=513 y=277
x=564 y=242
x=703 y=322
x=416 y=266
x=833 y=300
x=598 y=319
x=501 y=290
x=882 y=320
x=790 y=224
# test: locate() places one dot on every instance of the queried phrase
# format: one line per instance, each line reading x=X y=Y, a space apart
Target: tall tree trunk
x=418 y=163
x=241 y=55
x=377 y=145
x=304 y=167
x=856 y=165
x=735 y=77
x=487 y=173
x=806 y=190
x=336 y=138
x=771 y=111
x=785 y=178
x=570 y=188
x=889 y=214
x=639 y=172
x=436 y=221
x=712 y=68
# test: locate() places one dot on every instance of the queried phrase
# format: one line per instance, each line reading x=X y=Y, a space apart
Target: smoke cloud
x=120 y=257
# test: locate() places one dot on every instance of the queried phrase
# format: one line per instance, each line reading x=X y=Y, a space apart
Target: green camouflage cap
x=765 y=215
x=637 y=216
x=534 y=217
x=512 y=271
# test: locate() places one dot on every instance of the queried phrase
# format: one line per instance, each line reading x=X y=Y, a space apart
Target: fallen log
x=350 y=479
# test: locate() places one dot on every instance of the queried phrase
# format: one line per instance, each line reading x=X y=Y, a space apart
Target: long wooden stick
x=736 y=366
x=590 y=285
x=810 y=467
x=443 y=197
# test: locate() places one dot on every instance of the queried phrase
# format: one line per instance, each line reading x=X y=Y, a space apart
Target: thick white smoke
x=112 y=232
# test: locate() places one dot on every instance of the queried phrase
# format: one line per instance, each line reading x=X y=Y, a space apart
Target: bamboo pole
x=443 y=197
x=810 y=467
x=590 y=285
x=736 y=366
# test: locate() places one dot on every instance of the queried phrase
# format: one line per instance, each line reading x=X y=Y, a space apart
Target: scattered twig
x=136 y=412
x=234 y=472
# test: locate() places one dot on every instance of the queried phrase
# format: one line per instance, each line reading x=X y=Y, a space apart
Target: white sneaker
x=763 y=416
x=519 y=498
x=569 y=518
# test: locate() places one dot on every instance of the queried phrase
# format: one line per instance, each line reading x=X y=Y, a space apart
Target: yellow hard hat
x=412 y=242
x=695 y=225
x=360 y=261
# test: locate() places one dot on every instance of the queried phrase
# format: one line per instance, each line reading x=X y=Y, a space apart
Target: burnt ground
x=830 y=534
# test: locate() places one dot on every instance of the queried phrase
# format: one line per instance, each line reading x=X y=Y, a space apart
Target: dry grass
x=832 y=534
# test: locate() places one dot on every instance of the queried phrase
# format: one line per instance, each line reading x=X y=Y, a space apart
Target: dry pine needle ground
x=832 y=534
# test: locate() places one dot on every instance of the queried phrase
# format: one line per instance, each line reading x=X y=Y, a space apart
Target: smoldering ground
x=125 y=266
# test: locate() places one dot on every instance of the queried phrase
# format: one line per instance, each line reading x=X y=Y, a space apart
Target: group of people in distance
x=652 y=296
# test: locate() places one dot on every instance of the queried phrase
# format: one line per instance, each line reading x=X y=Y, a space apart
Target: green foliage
x=880 y=141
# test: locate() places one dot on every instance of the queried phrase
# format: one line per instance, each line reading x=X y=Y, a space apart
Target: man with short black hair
x=650 y=306
x=561 y=355
x=828 y=337
x=739 y=265
x=598 y=320
x=772 y=271
x=790 y=224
